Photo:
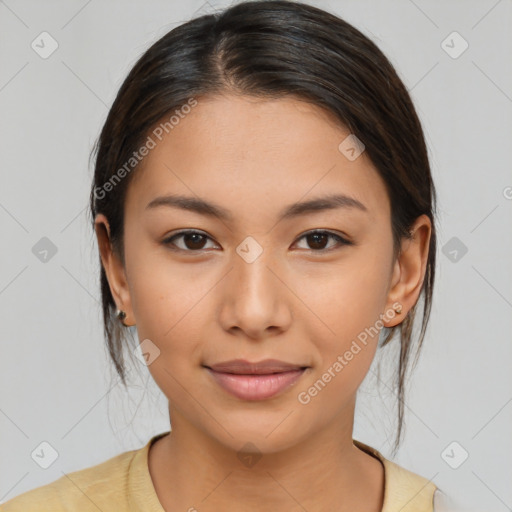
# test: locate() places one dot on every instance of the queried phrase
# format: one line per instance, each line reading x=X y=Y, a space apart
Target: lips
x=255 y=381
x=265 y=367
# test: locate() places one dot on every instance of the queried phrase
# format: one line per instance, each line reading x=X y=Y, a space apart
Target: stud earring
x=398 y=310
x=121 y=315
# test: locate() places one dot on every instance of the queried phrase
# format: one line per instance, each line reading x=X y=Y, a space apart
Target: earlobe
x=114 y=268
x=409 y=271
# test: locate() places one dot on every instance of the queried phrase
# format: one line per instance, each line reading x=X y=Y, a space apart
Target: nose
x=255 y=299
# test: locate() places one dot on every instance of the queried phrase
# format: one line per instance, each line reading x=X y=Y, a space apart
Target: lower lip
x=256 y=387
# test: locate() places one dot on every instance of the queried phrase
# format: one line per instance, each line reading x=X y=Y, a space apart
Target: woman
x=264 y=211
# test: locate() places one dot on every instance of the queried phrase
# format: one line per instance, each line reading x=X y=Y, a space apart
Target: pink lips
x=255 y=381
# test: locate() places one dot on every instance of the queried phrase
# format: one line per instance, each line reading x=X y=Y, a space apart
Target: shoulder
x=91 y=489
x=411 y=491
x=404 y=490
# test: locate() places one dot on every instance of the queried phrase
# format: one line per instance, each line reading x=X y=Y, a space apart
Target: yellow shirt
x=123 y=484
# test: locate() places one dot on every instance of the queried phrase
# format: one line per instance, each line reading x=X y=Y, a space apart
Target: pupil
x=196 y=238
x=315 y=237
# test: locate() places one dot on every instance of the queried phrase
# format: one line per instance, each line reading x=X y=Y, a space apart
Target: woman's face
x=253 y=284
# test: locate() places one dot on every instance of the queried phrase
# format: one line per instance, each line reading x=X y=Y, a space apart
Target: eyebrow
x=209 y=209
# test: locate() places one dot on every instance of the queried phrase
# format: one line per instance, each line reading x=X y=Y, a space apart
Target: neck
x=324 y=472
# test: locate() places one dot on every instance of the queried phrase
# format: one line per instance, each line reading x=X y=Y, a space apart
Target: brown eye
x=191 y=241
x=318 y=240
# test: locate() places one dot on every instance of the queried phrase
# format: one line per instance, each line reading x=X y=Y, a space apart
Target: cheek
x=346 y=298
x=168 y=304
x=169 y=313
x=345 y=322
x=163 y=292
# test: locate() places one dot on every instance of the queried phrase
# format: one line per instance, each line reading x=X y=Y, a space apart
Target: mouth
x=264 y=367
x=256 y=382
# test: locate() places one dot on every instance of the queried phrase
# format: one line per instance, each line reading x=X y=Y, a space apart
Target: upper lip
x=243 y=367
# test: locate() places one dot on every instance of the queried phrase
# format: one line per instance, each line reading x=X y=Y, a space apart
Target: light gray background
x=57 y=384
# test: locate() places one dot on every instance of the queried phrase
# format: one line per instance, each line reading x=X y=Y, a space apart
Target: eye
x=319 y=238
x=193 y=241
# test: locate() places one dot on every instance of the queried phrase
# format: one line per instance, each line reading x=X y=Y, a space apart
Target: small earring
x=121 y=315
x=398 y=310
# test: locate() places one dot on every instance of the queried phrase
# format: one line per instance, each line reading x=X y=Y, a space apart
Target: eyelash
x=341 y=240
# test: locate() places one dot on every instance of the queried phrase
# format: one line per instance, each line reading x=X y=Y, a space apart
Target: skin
x=302 y=301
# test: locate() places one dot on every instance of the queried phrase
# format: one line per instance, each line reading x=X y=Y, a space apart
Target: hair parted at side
x=270 y=49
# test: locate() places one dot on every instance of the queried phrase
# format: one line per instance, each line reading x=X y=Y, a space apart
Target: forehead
x=253 y=155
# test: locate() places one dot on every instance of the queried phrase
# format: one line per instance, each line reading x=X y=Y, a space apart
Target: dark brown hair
x=271 y=49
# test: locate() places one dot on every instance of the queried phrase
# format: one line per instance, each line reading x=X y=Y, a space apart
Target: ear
x=114 y=269
x=409 y=271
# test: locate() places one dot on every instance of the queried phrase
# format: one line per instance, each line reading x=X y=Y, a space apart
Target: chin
x=262 y=437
